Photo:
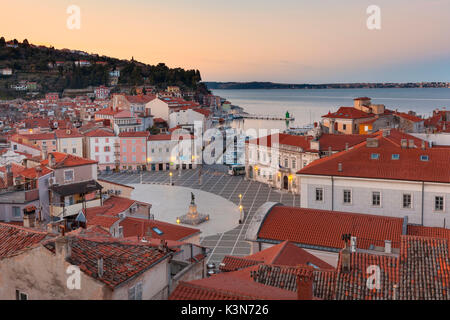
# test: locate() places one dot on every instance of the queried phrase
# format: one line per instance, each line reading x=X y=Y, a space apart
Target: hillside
x=46 y=69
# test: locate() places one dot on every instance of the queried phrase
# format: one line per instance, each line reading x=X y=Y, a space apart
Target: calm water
x=309 y=105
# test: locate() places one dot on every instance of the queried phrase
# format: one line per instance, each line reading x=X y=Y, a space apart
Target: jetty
x=261 y=117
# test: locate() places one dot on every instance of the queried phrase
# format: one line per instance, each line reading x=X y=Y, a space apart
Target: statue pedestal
x=193 y=217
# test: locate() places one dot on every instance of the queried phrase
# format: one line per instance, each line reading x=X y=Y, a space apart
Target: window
x=107 y=149
x=347 y=196
x=21 y=295
x=407 y=201
x=68 y=175
x=133 y=158
x=153 y=150
x=395 y=156
x=107 y=140
x=319 y=194
x=65 y=150
x=286 y=163
x=424 y=158
x=344 y=126
x=97 y=149
x=96 y=140
x=135 y=293
x=133 y=149
x=133 y=141
x=439 y=203
x=374 y=156
x=158 y=231
x=74 y=150
x=124 y=159
x=124 y=149
x=294 y=164
x=16 y=212
x=107 y=159
x=167 y=149
x=376 y=199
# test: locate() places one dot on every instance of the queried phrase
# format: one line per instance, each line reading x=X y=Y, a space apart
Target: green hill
x=54 y=70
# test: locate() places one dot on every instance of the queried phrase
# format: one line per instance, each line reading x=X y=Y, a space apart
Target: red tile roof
x=99 y=133
x=228 y=286
x=143 y=227
x=348 y=113
x=143 y=134
x=63 y=160
x=141 y=98
x=285 y=253
x=33 y=173
x=40 y=136
x=357 y=162
x=111 y=207
x=68 y=133
x=122 y=260
x=409 y=117
x=14 y=239
x=321 y=228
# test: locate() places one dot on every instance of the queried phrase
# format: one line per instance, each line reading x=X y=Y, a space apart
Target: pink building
x=133 y=150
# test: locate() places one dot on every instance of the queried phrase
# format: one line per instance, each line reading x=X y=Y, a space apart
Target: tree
x=25 y=43
x=144 y=92
x=2 y=42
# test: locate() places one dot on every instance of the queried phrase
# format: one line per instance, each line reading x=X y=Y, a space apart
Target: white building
x=168 y=152
x=384 y=177
x=100 y=146
x=189 y=117
x=275 y=159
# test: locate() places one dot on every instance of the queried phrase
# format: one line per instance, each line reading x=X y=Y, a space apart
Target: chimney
x=353 y=244
x=340 y=167
x=44 y=152
x=29 y=217
x=423 y=145
x=411 y=144
x=305 y=287
x=394 y=292
x=329 y=151
x=63 y=248
x=345 y=254
x=9 y=176
x=100 y=267
x=51 y=160
x=346 y=146
x=387 y=246
x=404 y=143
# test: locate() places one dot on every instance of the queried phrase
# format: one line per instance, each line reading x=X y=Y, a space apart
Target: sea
x=309 y=105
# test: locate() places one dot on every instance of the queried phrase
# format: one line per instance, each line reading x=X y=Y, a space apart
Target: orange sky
x=284 y=40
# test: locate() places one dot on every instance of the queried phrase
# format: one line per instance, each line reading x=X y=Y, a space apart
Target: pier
x=262 y=117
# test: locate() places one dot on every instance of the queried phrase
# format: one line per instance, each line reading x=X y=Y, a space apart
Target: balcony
x=62 y=211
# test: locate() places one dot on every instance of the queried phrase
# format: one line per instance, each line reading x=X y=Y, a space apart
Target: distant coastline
x=271 y=85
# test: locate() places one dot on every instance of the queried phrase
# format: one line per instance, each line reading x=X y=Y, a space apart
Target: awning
x=76 y=188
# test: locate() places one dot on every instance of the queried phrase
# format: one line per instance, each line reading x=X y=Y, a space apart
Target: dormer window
x=374 y=156
x=395 y=156
x=424 y=158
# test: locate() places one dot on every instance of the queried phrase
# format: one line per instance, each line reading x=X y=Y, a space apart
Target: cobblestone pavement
x=217 y=181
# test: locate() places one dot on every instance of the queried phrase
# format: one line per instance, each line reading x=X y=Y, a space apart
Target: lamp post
x=240 y=199
x=241 y=211
x=170 y=175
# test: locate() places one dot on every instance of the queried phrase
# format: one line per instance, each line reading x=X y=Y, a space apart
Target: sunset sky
x=291 y=41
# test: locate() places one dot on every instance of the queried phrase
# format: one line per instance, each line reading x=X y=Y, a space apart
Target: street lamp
x=241 y=211
x=170 y=175
x=240 y=199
